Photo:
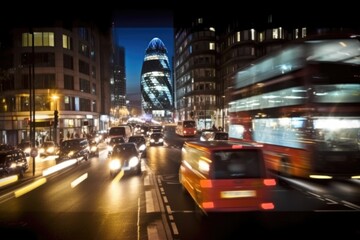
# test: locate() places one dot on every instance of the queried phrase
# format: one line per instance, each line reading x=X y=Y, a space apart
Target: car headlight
x=134 y=161
x=142 y=147
x=161 y=140
x=50 y=150
x=71 y=153
x=93 y=148
x=13 y=165
x=115 y=164
x=110 y=148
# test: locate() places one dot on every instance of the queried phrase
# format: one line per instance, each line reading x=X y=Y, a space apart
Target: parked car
x=25 y=146
x=77 y=148
x=48 y=148
x=156 y=139
x=112 y=141
x=140 y=142
x=126 y=157
x=13 y=162
x=4 y=147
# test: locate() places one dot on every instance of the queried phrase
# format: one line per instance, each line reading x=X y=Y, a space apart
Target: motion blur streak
x=58 y=167
x=30 y=187
x=8 y=180
x=79 y=180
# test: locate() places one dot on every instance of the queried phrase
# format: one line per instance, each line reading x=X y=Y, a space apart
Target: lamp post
x=223 y=112
x=56 y=116
x=33 y=152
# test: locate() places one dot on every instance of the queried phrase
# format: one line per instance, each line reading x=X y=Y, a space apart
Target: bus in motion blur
x=303 y=104
x=186 y=128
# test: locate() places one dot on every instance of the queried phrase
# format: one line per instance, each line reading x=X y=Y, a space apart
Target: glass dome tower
x=156 y=87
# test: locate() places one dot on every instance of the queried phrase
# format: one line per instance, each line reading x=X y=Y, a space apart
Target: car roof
x=136 y=136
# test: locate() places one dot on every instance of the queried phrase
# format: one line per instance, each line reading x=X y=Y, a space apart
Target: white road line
x=149 y=202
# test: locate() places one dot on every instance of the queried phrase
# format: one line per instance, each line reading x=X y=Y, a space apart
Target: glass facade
x=156 y=86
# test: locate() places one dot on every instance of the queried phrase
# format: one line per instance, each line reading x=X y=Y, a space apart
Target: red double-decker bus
x=303 y=104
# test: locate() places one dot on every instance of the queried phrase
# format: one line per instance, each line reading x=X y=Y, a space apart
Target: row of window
x=48 y=81
x=47 y=39
x=47 y=59
x=44 y=103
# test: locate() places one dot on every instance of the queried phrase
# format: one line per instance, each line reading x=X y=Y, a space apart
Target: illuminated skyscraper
x=156 y=86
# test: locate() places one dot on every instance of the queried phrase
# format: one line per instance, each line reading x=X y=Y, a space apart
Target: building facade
x=195 y=74
x=118 y=110
x=156 y=84
x=64 y=66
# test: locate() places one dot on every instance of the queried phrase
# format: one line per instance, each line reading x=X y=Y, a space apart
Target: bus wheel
x=285 y=167
x=284 y=172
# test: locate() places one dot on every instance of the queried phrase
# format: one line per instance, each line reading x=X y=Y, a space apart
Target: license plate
x=238 y=194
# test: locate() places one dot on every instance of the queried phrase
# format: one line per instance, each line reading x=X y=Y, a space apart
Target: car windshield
x=137 y=140
x=124 y=148
x=71 y=143
x=237 y=164
x=117 y=140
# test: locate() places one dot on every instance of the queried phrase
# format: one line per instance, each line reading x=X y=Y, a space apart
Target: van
x=120 y=131
x=225 y=176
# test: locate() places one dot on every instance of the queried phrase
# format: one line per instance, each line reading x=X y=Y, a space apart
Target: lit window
x=275 y=33
x=261 y=37
x=252 y=32
x=303 y=32
x=212 y=46
x=66 y=41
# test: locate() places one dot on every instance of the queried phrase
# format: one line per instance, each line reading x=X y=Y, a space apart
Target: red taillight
x=205 y=183
x=269 y=182
x=208 y=204
x=267 y=206
x=236 y=146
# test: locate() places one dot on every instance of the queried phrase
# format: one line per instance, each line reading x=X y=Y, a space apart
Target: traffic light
x=56 y=118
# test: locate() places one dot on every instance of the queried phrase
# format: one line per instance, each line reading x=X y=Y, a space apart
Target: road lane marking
x=149 y=202
x=29 y=187
x=79 y=180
